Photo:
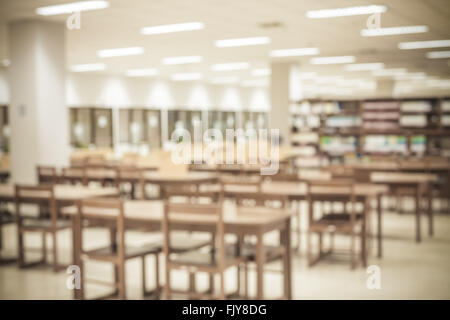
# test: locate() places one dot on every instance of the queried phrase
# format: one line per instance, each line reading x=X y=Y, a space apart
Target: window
x=91 y=126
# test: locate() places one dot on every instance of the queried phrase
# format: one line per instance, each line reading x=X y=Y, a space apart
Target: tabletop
x=401 y=177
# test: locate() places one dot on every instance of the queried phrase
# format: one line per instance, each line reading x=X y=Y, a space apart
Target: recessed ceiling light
x=364 y=66
x=107 y=53
x=225 y=80
x=261 y=72
x=424 y=44
x=242 y=42
x=393 y=31
x=342 y=12
x=388 y=72
x=182 y=60
x=186 y=76
x=88 y=67
x=332 y=60
x=294 y=52
x=141 y=72
x=170 y=28
x=71 y=7
x=438 y=54
x=230 y=66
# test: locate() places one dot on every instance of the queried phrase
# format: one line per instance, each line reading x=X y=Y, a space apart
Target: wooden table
x=419 y=182
x=298 y=191
x=240 y=221
x=64 y=194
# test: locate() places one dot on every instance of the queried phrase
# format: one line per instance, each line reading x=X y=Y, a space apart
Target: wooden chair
x=102 y=174
x=73 y=175
x=214 y=262
x=6 y=218
x=46 y=175
x=42 y=195
x=350 y=222
x=240 y=188
x=117 y=253
x=132 y=176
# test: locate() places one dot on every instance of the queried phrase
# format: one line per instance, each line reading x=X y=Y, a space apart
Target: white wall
x=4 y=87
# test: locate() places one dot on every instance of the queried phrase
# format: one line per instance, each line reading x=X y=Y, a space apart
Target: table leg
x=260 y=257
x=430 y=210
x=379 y=227
x=287 y=261
x=418 y=198
x=76 y=252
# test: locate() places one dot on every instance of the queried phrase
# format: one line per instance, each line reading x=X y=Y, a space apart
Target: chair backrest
x=46 y=174
x=73 y=174
x=37 y=195
x=338 y=190
x=109 y=211
x=193 y=192
x=180 y=215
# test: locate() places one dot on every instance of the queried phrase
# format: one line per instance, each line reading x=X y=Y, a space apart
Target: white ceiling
x=119 y=25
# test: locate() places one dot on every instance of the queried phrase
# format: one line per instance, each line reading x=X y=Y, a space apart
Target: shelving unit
x=371 y=127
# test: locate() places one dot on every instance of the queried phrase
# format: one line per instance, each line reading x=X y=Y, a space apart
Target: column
x=38 y=113
x=284 y=87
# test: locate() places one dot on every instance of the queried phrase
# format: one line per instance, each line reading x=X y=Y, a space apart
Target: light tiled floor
x=408 y=270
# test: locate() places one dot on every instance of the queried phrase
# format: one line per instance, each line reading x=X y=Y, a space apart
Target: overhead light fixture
x=424 y=44
x=230 y=66
x=411 y=76
x=308 y=75
x=182 y=60
x=186 y=76
x=149 y=72
x=255 y=83
x=225 y=80
x=393 y=31
x=240 y=42
x=261 y=72
x=364 y=66
x=88 y=67
x=332 y=60
x=107 y=53
x=171 y=28
x=438 y=54
x=342 y=12
x=296 y=52
x=389 y=72
x=71 y=7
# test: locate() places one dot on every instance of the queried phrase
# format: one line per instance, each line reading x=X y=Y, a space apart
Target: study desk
x=419 y=182
x=148 y=214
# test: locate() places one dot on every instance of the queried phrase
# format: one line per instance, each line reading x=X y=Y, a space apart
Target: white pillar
x=39 y=117
x=279 y=100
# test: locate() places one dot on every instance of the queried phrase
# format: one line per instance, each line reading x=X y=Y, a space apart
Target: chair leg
x=144 y=277
x=308 y=248
x=21 y=248
x=121 y=284
x=157 y=285
x=55 y=251
x=222 y=286
x=245 y=280
x=44 y=247
x=167 y=292
x=352 y=251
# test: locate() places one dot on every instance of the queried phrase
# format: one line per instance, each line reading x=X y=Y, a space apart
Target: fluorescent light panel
x=225 y=80
x=389 y=72
x=107 y=53
x=182 y=60
x=295 y=52
x=342 y=12
x=230 y=66
x=186 y=76
x=255 y=83
x=171 y=28
x=141 y=72
x=364 y=66
x=424 y=44
x=393 y=31
x=240 y=42
x=261 y=72
x=71 y=7
x=88 y=67
x=438 y=54
x=332 y=60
